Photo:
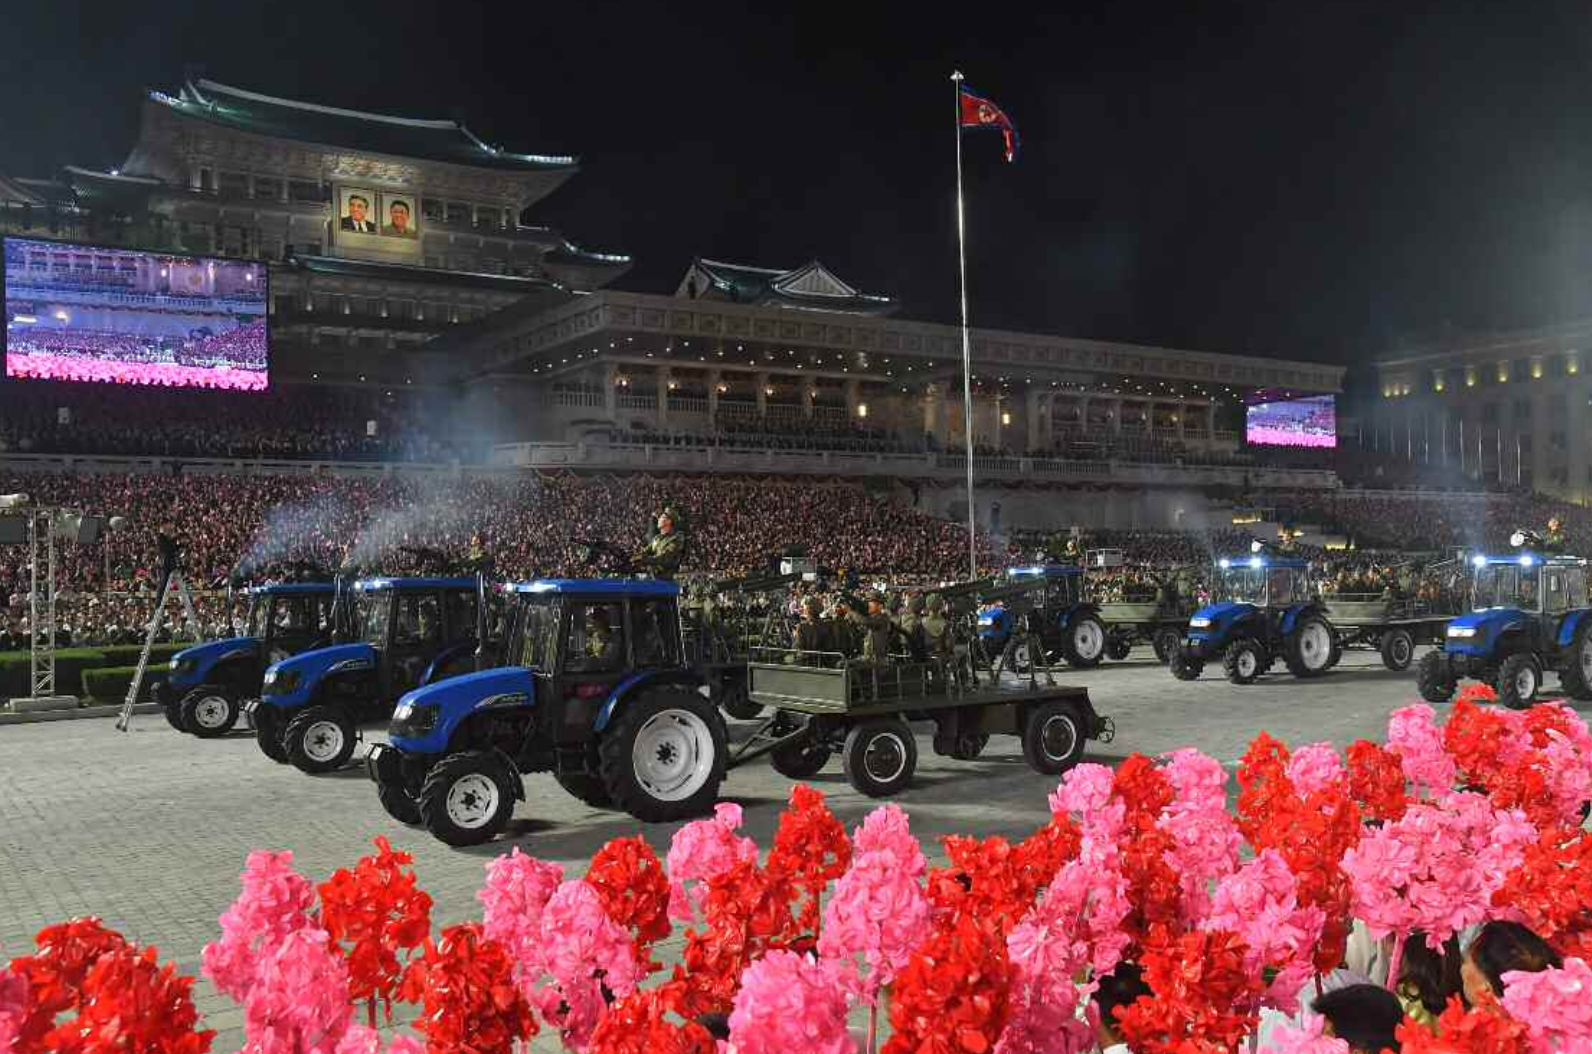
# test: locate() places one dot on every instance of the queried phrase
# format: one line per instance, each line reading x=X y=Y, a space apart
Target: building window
x=268 y=188
x=302 y=190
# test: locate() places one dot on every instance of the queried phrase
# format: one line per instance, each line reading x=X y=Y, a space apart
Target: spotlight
x=13 y=501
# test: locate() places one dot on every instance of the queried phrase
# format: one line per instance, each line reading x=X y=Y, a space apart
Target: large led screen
x=1293 y=422
x=85 y=313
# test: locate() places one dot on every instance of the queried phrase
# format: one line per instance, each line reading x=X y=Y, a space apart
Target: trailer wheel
x=467 y=799
x=1576 y=677
x=1053 y=737
x=1083 y=642
x=663 y=756
x=399 y=803
x=319 y=740
x=880 y=756
x=208 y=711
x=1244 y=660
x=1166 y=641
x=589 y=790
x=1309 y=648
x=1398 y=648
x=1519 y=678
x=1433 y=678
x=268 y=732
x=1185 y=667
x=1118 y=648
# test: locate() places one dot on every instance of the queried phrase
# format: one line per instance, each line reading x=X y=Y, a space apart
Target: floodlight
x=1255 y=546
x=1526 y=560
x=1254 y=561
x=1478 y=561
x=1517 y=539
x=1224 y=563
x=13 y=501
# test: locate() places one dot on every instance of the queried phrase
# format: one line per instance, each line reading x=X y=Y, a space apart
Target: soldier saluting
x=1553 y=540
x=664 y=551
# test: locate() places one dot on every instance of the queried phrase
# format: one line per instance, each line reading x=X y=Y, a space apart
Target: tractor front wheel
x=320 y=740
x=1519 y=678
x=1433 y=678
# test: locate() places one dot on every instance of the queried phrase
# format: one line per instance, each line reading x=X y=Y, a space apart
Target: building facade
x=1510 y=409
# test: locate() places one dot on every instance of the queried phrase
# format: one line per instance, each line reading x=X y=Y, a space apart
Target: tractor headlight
x=181 y=665
x=403 y=712
x=1462 y=631
x=414 y=721
x=280 y=682
x=1199 y=623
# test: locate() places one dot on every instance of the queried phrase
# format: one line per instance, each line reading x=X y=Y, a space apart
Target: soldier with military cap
x=662 y=555
x=811 y=637
x=1553 y=540
x=875 y=629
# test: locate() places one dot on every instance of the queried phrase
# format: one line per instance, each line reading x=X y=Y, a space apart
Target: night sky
x=1304 y=180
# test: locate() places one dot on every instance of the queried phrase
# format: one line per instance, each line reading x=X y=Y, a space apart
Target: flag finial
x=957 y=75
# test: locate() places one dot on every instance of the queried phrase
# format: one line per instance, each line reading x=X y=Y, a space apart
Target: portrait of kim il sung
x=356 y=211
x=398 y=216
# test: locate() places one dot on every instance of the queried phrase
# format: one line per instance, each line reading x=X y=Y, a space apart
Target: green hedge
x=71 y=663
x=108 y=684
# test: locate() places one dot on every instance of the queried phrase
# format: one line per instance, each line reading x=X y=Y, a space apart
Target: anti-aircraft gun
x=723 y=620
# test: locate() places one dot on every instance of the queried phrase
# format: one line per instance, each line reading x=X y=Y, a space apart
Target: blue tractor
x=1529 y=616
x=596 y=689
x=208 y=684
x=1262 y=610
x=1069 y=626
x=409 y=632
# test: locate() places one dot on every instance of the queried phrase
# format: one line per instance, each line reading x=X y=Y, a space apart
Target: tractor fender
x=199 y=661
x=513 y=770
x=1571 y=622
x=443 y=658
x=1292 y=615
x=456 y=700
x=1075 y=611
x=635 y=683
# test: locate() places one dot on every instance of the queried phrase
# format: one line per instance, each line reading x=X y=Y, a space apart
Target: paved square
x=149 y=829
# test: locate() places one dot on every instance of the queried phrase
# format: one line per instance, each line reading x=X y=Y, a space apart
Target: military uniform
x=663 y=554
x=846 y=630
x=811 y=637
x=602 y=648
x=875 y=629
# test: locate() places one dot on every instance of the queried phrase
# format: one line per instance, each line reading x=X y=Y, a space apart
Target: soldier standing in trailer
x=875 y=627
x=1553 y=540
x=664 y=551
x=812 y=637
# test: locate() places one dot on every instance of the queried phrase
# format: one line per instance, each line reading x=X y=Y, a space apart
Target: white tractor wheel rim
x=323 y=741
x=1247 y=663
x=1526 y=682
x=1314 y=646
x=472 y=801
x=885 y=757
x=1058 y=737
x=211 y=712
x=1088 y=639
x=673 y=755
x=1586 y=658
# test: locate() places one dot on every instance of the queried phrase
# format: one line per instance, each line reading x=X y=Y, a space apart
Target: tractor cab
x=596 y=689
x=1528 y=616
x=409 y=632
x=206 y=685
x=1261 y=609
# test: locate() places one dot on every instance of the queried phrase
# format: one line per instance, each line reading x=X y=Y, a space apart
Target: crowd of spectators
x=295 y=422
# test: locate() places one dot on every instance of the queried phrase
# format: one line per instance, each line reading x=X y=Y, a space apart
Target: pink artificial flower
x=1307 y=1039
x=789 y=1003
x=590 y=959
x=275 y=903
x=1205 y=836
x=1260 y=903
x=1314 y=767
x=886 y=829
x=702 y=849
x=361 y=1039
x=13 y=1006
x=517 y=890
x=1413 y=735
x=299 y=1001
x=1569 y=773
x=879 y=911
x=1554 y=1005
x=1084 y=790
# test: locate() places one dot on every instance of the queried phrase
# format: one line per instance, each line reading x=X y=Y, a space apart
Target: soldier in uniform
x=875 y=627
x=1553 y=540
x=911 y=625
x=845 y=629
x=811 y=637
x=663 y=553
x=602 y=647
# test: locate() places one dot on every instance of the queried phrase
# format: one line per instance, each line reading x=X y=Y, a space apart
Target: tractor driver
x=601 y=653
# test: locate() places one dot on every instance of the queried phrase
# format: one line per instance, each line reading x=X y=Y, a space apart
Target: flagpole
x=967 y=354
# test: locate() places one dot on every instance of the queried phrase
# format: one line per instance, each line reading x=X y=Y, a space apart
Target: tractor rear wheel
x=1576 y=677
x=1083 y=642
x=1433 y=678
x=663 y=756
x=1519 y=678
x=1308 y=651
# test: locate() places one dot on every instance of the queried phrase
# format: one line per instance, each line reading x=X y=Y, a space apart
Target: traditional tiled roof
x=448 y=141
x=811 y=287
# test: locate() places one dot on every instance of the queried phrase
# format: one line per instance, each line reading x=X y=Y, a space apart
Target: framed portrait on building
x=400 y=215
x=356 y=210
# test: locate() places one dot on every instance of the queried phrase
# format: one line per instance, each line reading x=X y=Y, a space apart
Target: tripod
x=174 y=581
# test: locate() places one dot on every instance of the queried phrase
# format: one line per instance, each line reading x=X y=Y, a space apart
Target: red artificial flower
x=634 y=891
x=56 y=974
x=747 y=912
x=1198 y=981
x=465 y=982
x=1045 y=852
x=637 y=1025
x=1262 y=781
x=952 y=996
x=1514 y=774
x=1155 y=890
x=984 y=880
x=130 y=1003
x=1552 y=890
x=1484 y=1029
x=1376 y=781
x=371 y=914
x=810 y=851
x=1142 y=786
x=1477 y=692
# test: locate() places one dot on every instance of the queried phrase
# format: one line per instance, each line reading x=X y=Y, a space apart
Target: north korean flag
x=979 y=112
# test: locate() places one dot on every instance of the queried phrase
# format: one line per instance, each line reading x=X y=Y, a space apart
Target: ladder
x=174 y=581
